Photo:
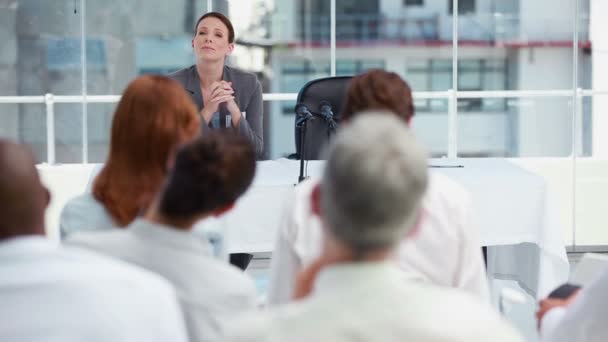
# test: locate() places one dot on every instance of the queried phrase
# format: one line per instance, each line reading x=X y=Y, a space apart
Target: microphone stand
x=302 y=149
x=301 y=124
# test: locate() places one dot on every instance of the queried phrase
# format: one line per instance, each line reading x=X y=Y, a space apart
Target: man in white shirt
x=446 y=251
x=369 y=199
x=208 y=177
x=54 y=293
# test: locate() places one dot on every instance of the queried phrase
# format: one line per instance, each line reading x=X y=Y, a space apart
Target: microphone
x=303 y=114
x=327 y=114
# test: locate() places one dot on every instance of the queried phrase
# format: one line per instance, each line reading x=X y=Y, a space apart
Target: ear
x=222 y=210
x=230 y=49
x=315 y=200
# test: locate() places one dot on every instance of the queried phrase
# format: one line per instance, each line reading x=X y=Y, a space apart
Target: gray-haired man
x=368 y=200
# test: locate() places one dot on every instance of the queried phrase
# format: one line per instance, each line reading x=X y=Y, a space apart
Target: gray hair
x=373 y=183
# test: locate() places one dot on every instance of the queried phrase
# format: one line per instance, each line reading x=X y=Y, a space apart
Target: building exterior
x=503 y=45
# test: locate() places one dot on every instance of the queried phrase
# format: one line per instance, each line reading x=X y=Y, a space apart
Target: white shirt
x=445 y=251
x=54 y=293
x=208 y=289
x=584 y=320
x=84 y=213
x=375 y=302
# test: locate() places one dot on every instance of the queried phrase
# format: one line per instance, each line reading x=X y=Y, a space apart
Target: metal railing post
x=452 y=124
x=578 y=123
x=49 y=101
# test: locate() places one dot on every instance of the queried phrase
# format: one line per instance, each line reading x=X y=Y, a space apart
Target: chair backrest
x=331 y=90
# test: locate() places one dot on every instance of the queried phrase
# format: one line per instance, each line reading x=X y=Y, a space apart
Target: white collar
x=349 y=275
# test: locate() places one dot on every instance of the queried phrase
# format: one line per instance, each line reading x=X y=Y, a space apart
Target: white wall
x=599 y=58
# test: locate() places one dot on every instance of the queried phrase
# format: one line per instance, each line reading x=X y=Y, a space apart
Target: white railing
x=49 y=101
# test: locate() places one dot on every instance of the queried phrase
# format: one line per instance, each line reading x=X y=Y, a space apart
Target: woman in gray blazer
x=226 y=97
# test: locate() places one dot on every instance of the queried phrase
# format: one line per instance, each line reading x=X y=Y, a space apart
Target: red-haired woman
x=153 y=117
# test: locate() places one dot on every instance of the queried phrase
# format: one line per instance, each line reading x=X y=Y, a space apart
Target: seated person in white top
x=208 y=176
x=446 y=252
x=369 y=200
x=580 y=317
x=154 y=116
x=54 y=293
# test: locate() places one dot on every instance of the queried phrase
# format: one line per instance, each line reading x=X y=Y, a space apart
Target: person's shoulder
x=84 y=212
x=469 y=316
x=232 y=278
x=94 y=267
x=97 y=240
x=182 y=75
x=249 y=326
x=86 y=200
x=446 y=196
x=242 y=78
x=291 y=321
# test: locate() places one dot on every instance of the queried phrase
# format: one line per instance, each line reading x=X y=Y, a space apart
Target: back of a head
x=210 y=173
x=153 y=117
x=23 y=197
x=374 y=180
x=378 y=90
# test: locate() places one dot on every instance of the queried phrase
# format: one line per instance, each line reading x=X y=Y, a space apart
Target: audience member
x=369 y=200
x=208 y=176
x=54 y=293
x=579 y=317
x=446 y=251
x=153 y=117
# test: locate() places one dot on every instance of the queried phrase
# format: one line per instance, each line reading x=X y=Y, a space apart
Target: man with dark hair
x=51 y=292
x=208 y=177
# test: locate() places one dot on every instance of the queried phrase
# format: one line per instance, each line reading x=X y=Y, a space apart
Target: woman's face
x=211 y=40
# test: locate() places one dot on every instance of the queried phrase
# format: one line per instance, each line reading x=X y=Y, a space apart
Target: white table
x=512 y=206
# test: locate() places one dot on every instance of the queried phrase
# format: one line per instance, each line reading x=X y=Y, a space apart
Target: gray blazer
x=247 y=95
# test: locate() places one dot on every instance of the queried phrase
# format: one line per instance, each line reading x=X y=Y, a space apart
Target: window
x=464 y=6
x=64 y=54
x=473 y=75
x=295 y=74
x=413 y=2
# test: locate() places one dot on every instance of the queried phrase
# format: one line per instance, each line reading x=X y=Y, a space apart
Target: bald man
x=49 y=292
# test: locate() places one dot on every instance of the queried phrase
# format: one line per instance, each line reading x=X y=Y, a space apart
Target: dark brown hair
x=153 y=117
x=378 y=89
x=209 y=173
x=221 y=18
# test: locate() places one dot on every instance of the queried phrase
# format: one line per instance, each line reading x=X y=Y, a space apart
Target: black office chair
x=318 y=96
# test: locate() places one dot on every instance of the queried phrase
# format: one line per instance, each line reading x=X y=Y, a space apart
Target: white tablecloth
x=512 y=206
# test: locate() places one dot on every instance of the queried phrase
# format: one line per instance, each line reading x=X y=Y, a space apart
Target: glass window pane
x=25 y=124
x=470 y=80
x=524 y=127
x=441 y=81
x=536 y=43
x=431 y=126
